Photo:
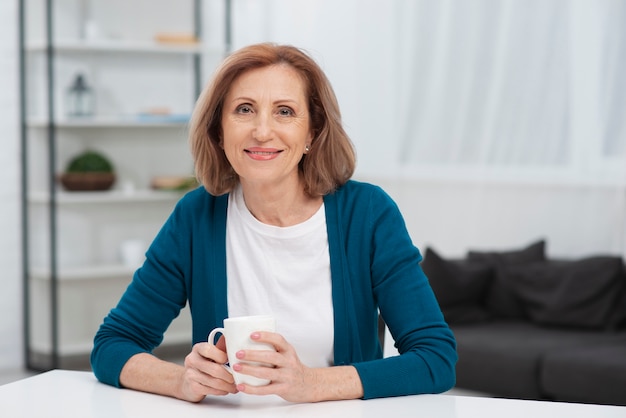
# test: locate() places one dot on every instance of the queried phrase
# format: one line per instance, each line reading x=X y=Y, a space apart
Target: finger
x=211 y=370
x=201 y=361
x=212 y=352
x=256 y=390
x=262 y=372
x=276 y=340
x=269 y=358
x=206 y=384
x=219 y=371
x=206 y=367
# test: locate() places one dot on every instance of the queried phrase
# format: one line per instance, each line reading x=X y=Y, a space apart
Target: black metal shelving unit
x=53 y=360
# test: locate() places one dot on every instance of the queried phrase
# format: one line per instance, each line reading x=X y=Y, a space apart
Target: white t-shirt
x=284 y=271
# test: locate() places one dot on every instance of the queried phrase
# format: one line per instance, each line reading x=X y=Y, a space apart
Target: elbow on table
x=108 y=357
x=102 y=373
x=96 y=367
x=444 y=378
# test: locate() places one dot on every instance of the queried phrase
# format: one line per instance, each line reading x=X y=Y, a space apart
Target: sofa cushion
x=575 y=293
x=505 y=357
x=501 y=300
x=617 y=320
x=459 y=286
x=594 y=373
x=493 y=358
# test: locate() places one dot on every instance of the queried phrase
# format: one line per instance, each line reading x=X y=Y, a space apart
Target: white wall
x=454 y=216
x=10 y=240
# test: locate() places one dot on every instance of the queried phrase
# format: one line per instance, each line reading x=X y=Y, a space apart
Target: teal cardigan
x=374 y=265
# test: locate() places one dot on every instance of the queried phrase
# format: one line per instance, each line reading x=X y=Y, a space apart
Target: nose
x=263 y=128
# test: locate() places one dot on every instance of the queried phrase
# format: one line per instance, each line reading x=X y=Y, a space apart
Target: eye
x=285 y=111
x=243 y=109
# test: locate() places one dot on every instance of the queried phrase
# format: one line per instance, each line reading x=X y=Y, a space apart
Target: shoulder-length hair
x=331 y=159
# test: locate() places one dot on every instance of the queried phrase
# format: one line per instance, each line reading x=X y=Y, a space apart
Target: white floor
x=8 y=376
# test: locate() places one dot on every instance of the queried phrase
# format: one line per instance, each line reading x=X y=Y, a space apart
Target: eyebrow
x=248 y=99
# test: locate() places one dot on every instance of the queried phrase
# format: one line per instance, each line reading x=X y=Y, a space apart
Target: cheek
x=230 y=136
x=232 y=131
x=228 y=143
x=229 y=150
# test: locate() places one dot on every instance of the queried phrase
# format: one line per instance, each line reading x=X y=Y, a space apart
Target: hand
x=205 y=374
x=290 y=379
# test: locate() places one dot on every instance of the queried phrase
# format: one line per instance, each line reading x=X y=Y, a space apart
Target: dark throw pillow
x=576 y=293
x=459 y=286
x=501 y=300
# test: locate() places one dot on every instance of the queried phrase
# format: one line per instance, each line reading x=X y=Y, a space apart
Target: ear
x=309 y=143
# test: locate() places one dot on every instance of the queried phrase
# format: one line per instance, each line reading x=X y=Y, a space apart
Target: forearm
x=147 y=373
x=336 y=383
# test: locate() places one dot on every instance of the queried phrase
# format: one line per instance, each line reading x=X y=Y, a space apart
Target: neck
x=280 y=206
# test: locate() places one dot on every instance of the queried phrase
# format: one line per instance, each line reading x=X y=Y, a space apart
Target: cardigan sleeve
x=427 y=359
x=151 y=302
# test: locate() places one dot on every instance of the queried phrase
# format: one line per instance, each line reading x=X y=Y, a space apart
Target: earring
x=307 y=148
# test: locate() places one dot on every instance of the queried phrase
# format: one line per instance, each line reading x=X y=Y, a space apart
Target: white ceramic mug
x=236 y=332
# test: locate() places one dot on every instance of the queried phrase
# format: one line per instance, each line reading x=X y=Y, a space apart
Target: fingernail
x=240 y=354
x=255 y=336
x=237 y=367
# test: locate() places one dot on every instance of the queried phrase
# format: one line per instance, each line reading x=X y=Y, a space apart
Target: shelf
x=113 y=196
x=80 y=236
x=95 y=272
x=117 y=46
x=131 y=121
x=84 y=348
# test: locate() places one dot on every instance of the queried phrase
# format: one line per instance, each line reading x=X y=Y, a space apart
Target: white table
x=67 y=394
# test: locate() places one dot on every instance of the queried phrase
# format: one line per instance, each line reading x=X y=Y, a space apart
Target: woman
x=279 y=227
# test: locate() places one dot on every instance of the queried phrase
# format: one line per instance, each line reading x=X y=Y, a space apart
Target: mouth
x=262 y=154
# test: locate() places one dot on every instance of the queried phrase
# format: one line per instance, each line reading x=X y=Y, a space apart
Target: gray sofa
x=533 y=328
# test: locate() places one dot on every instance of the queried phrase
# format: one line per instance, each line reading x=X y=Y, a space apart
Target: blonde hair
x=331 y=160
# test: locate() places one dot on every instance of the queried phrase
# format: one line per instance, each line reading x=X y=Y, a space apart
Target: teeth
x=261 y=152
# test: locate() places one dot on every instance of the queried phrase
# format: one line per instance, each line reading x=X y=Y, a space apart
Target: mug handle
x=211 y=340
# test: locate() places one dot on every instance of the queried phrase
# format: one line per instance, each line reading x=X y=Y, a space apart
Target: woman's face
x=266 y=126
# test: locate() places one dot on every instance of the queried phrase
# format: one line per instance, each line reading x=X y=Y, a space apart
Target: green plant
x=89 y=162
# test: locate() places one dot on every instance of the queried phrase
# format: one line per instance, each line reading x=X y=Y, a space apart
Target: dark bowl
x=87 y=181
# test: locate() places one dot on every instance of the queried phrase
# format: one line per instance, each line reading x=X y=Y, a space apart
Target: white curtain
x=492 y=83
x=514 y=83
x=494 y=94
x=613 y=87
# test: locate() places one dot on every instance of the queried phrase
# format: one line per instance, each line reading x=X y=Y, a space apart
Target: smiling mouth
x=262 y=152
x=259 y=154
